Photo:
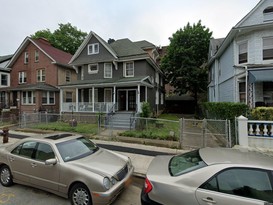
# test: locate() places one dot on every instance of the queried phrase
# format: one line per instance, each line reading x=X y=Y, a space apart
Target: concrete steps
x=121 y=121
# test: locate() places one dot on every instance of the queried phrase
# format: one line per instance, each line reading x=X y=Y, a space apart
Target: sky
x=151 y=20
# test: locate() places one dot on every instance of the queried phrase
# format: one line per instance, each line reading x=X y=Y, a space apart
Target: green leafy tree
x=67 y=37
x=185 y=61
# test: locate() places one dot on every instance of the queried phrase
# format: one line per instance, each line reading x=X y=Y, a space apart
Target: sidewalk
x=139 y=161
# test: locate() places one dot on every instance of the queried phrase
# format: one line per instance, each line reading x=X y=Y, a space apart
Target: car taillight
x=148 y=186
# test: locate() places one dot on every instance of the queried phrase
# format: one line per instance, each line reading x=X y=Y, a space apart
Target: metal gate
x=205 y=133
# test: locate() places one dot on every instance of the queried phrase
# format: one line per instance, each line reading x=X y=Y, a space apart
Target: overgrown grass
x=66 y=127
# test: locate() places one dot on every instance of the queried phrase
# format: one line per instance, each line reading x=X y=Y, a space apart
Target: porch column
x=114 y=99
x=61 y=100
x=138 y=98
x=77 y=99
x=93 y=100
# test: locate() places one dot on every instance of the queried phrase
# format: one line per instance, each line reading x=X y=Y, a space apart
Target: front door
x=127 y=100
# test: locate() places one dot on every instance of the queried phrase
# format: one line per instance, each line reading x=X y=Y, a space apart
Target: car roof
x=54 y=137
x=242 y=157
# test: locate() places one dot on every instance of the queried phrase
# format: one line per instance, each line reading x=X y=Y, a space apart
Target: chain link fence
x=189 y=133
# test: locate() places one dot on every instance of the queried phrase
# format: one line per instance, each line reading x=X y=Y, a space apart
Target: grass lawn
x=83 y=128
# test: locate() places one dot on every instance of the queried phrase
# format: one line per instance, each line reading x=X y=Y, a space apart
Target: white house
x=241 y=65
x=4 y=79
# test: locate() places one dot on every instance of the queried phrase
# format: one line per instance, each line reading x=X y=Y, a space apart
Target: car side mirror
x=52 y=161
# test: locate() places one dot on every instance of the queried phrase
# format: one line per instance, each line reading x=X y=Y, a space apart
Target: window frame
x=4 y=80
x=243 y=52
x=267 y=47
x=41 y=75
x=67 y=96
x=67 y=76
x=22 y=78
x=26 y=57
x=108 y=73
x=28 y=98
x=90 y=71
x=126 y=69
x=93 y=48
x=105 y=94
x=36 y=56
x=48 y=98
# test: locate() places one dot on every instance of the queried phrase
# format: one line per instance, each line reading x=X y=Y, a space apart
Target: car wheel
x=79 y=195
x=5 y=176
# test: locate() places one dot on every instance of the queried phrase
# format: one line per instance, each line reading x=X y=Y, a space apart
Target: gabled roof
x=56 y=55
x=5 y=58
x=238 y=28
x=86 y=41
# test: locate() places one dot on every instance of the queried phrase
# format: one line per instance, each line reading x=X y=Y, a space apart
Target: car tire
x=80 y=195
x=5 y=176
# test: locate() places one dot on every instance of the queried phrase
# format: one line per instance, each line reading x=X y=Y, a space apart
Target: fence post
x=242 y=131
x=204 y=128
x=181 y=124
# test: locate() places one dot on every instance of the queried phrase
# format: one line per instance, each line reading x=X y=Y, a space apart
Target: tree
x=185 y=61
x=67 y=37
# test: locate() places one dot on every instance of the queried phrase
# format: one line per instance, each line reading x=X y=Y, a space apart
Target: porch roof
x=130 y=81
x=260 y=75
x=38 y=86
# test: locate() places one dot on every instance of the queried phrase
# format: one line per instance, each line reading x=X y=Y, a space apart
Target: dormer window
x=93 y=49
x=268 y=13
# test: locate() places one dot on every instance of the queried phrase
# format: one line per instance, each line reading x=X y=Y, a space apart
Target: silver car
x=210 y=176
x=68 y=165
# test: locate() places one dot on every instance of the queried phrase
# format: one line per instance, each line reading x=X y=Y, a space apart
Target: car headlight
x=113 y=180
x=106 y=183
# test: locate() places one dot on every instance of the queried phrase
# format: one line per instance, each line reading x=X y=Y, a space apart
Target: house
x=114 y=76
x=4 y=80
x=37 y=68
x=241 y=65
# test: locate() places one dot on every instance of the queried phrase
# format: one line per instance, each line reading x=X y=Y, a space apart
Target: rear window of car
x=76 y=148
x=184 y=163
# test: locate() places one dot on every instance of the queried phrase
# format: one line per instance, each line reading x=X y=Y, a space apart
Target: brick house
x=37 y=68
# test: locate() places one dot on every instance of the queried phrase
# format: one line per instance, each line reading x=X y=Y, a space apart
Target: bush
x=262 y=113
x=224 y=110
x=146 y=110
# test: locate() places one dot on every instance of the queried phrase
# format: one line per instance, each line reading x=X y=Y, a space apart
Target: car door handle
x=11 y=159
x=209 y=200
x=33 y=165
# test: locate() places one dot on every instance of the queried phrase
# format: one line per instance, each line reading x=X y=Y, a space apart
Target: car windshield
x=186 y=162
x=76 y=148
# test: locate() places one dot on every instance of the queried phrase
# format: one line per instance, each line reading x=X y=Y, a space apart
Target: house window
x=22 y=77
x=242 y=92
x=129 y=69
x=28 y=97
x=4 y=79
x=243 y=52
x=93 y=68
x=36 y=57
x=93 y=49
x=268 y=48
x=41 y=75
x=48 y=98
x=68 y=97
x=68 y=76
x=95 y=95
x=108 y=95
x=108 y=70
x=268 y=14
x=26 y=58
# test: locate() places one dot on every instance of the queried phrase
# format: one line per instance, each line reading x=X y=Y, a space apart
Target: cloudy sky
x=152 y=20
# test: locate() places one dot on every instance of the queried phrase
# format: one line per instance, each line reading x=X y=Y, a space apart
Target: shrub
x=262 y=113
x=146 y=110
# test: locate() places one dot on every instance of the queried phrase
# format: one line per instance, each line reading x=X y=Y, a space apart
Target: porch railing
x=103 y=107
